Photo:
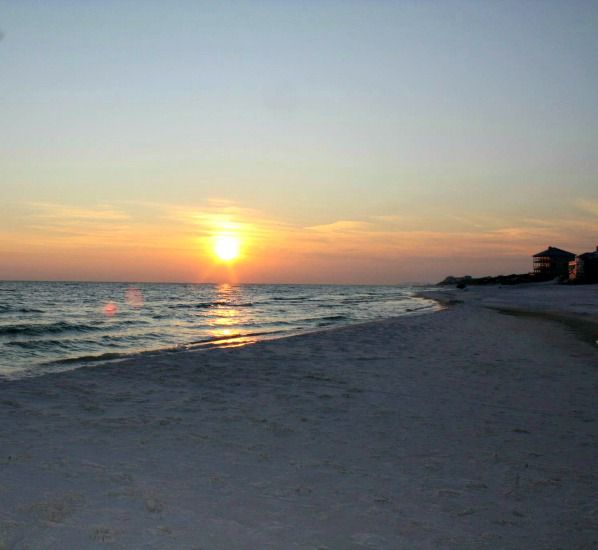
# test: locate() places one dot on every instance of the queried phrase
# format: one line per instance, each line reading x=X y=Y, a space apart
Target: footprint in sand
x=103 y=534
x=154 y=506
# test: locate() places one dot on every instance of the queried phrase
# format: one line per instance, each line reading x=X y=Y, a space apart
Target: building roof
x=553 y=252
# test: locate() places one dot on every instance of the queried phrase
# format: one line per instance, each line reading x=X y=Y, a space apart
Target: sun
x=227 y=248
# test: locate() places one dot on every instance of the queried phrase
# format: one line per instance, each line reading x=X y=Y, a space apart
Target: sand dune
x=466 y=428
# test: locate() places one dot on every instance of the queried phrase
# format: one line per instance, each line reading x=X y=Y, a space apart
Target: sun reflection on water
x=227 y=320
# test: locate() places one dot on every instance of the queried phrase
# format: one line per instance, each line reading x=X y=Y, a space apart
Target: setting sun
x=227 y=248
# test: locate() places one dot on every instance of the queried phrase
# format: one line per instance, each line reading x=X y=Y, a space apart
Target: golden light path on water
x=227 y=317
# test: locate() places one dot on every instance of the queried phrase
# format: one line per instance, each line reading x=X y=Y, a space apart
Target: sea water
x=50 y=326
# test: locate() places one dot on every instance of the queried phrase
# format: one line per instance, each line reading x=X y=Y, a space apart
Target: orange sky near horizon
x=152 y=242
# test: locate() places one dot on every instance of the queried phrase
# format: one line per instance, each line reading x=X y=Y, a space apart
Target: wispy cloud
x=180 y=234
x=152 y=225
x=343 y=226
x=47 y=225
x=58 y=212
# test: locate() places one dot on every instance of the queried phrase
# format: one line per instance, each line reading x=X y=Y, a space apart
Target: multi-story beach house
x=584 y=268
x=552 y=262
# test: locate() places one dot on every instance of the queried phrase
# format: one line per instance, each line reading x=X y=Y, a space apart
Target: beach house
x=552 y=262
x=584 y=268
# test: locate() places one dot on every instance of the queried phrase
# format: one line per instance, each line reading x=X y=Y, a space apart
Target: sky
x=339 y=141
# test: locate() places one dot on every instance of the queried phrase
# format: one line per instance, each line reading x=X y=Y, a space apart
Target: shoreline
x=220 y=342
x=468 y=428
x=584 y=323
x=585 y=329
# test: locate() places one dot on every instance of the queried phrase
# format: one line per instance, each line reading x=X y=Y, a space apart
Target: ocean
x=52 y=326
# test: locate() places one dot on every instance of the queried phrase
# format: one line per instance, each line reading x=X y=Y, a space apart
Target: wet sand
x=465 y=428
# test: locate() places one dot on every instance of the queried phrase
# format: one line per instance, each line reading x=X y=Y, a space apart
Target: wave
x=25 y=329
x=198 y=305
x=346 y=301
x=220 y=341
x=4 y=308
x=291 y=298
x=233 y=304
x=232 y=337
x=206 y=305
x=330 y=318
x=111 y=355
x=36 y=344
x=273 y=323
x=326 y=321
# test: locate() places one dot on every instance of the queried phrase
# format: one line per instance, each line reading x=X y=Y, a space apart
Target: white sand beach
x=465 y=428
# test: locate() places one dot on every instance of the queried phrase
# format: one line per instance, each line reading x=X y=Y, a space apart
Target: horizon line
x=411 y=283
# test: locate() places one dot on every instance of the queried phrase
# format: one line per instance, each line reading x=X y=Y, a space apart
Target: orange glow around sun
x=226 y=248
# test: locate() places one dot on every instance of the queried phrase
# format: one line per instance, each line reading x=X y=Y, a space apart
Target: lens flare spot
x=110 y=309
x=134 y=297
